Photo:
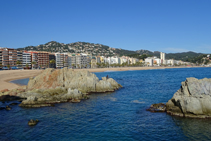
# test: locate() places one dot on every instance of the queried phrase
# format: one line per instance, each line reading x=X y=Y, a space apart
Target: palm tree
x=8 y=66
x=18 y=63
x=52 y=61
x=78 y=66
x=73 y=65
x=27 y=65
x=90 y=64
x=33 y=63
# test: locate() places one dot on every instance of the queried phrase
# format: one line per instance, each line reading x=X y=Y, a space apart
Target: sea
x=119 y=115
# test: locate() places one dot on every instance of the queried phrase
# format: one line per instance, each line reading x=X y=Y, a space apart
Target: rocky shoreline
x=192 y=100
x=57 y=86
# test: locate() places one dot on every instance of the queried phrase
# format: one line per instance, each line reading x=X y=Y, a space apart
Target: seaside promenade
x=8 y=75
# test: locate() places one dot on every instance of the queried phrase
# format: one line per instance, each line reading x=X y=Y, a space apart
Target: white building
x=149 y=61
x=158 y=61
x=162 y=57
x=26 y=60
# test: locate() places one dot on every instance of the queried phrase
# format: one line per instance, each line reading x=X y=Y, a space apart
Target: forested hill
x=79 y=47
x=104 y=50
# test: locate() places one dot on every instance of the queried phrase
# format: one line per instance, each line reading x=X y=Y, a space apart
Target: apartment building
x=19 y=59
x=73 y=61
x=59 y=60
x=149 y=61
x=1 y=58
x=9 y=57
x=34 y=59
x=43 y=59
x=52 y=64
x=26 y=60
x=81 y=61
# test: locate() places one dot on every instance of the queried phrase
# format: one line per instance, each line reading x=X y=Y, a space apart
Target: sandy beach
x=8 y=75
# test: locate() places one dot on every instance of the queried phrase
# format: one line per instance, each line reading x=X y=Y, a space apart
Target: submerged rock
x=193 y=99
x=32 y=122
x=160 y=107
x=8 y=108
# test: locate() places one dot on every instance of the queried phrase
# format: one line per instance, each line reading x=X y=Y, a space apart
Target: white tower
x=162 y=57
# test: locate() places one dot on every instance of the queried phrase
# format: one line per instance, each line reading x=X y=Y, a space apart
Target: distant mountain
x=184 y=56
x=79 y=47
x=104 y=50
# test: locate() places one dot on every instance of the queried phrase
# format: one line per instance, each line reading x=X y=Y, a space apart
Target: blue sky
x=156 y=25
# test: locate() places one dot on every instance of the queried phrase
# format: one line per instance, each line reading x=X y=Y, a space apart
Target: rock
x=32 y=122
x=75 y=101
x=63 y=85
x=14 y=103
x=5 y=90
x=8 y=108
x=84 y=81
x=192 y=99
x=160 y=107
x=10 y=98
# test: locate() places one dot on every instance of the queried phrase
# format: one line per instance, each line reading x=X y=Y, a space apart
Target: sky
x=168 y=26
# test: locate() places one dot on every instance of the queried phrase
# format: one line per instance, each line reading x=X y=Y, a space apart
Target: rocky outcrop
x=160 y=107
x=32 y=122
x=65 y=85
x=84 y=81
x=193 y=99
x=41 y=97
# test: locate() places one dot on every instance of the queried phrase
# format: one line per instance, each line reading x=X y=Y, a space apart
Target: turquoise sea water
x=120 y=115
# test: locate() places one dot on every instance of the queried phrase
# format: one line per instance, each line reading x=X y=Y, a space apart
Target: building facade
x=19 y=59
x=1 y=58
x=43 y=59
x=26 y=60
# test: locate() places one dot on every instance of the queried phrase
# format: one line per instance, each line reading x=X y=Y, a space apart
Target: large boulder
x=193 y=99
x=84 y=81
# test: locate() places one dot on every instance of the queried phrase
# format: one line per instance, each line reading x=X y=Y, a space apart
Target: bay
x=120 y=115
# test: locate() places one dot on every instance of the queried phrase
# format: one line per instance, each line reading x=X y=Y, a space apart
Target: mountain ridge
x=104 y=50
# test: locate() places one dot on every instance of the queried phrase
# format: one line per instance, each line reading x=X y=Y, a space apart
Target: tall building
x=52 y=64
x=59 y=60
x=9 y=57
x=26 y=60
x=34 y=59
x=19 y=59
x=81 y=61
x=1 y=58
x=73 y=61
x=162 y=57
x=43 y=59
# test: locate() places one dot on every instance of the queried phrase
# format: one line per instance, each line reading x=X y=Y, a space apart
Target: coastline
x=8 y=75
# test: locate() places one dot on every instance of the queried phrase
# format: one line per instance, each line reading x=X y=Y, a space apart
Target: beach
x=8 y=75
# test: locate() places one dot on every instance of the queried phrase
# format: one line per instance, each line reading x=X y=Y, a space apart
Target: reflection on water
x=120 y=115
x=194 y=129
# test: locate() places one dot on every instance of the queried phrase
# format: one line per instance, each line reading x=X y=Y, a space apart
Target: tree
x=90 y=64
x=73 y=65
x=33 y=63
x=18 y=62
x=27 y=65
x=8 y=66
x=52 y=61
x=0 y=65
x=78 y=66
